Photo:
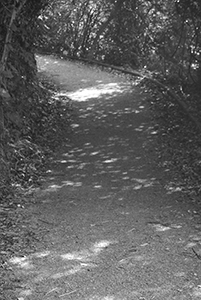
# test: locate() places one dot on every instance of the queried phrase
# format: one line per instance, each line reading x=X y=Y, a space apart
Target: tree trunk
x=4 y=173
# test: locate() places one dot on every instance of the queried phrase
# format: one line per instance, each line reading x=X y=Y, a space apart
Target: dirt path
x=112 y=232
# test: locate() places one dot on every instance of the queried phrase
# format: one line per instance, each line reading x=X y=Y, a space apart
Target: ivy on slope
x=45 y=121
x=179 y=143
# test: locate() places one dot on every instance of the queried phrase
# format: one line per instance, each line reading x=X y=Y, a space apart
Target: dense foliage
x=162 y=36
x=29 y=114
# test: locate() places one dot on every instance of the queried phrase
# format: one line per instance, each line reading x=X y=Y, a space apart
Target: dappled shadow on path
x=111 y=131
x=109 y=146
x=111 y=232
x=84 y=273
x=37 y=266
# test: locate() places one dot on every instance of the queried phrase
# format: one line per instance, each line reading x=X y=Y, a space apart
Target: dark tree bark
x=4 y=174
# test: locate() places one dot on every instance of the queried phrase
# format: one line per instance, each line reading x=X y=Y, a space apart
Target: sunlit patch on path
x=102 y=90
x=80 y=81
x=48 y=265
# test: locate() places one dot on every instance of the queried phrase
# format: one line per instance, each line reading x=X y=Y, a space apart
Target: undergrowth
x=44 y=124
x=179 y=141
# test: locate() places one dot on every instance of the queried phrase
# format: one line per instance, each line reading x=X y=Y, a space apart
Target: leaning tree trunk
x=3 y=165
x=4 y=94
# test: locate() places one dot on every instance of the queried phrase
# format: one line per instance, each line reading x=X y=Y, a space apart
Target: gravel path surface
x=112 y=231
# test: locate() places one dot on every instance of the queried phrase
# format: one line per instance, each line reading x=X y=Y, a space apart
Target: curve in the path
x=112 y=231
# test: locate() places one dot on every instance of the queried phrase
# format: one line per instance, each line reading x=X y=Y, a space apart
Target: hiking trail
x=111 y=229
